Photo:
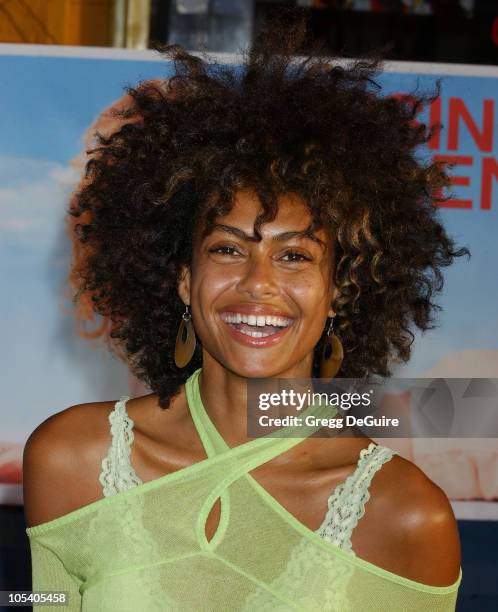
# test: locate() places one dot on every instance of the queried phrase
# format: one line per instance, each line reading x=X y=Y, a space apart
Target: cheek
x=208 y=283
x=310 y=292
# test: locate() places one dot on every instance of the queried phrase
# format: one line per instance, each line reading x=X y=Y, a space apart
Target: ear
x=184 y=285
x=331 y=312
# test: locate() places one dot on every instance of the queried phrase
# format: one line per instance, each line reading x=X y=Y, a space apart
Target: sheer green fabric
x=146 y=548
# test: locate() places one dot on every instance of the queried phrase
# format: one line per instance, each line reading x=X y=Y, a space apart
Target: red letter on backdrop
x=484 y=138
x=462 y=160
x=489 y=172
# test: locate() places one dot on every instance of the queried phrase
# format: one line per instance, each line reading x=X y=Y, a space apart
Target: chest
x=316 y=499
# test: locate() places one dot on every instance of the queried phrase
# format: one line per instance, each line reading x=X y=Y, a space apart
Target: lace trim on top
x=117 y=473
x=346 y=505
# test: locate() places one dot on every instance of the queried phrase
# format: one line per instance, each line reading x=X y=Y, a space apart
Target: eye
x=224 y=250
x=296 y=256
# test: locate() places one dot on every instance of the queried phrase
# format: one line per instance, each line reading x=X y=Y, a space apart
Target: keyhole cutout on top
x=212 y=524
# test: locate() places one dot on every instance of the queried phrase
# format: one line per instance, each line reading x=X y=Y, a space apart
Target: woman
x=239 y=223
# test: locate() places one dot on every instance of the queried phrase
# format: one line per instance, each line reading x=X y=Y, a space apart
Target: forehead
x=292 y=214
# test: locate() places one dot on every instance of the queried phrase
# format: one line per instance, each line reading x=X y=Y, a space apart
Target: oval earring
x=185 y=340
x=332 y=354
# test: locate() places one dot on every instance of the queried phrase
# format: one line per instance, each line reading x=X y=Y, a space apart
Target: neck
x=224 y=396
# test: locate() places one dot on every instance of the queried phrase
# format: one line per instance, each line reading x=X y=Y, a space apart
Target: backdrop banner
x=51 y=103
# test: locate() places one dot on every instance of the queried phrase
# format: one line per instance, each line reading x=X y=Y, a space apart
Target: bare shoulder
x=61 y=460
x=420 y=532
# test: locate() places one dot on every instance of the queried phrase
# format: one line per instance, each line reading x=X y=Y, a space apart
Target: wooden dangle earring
x=185 y=340
x=331 y=355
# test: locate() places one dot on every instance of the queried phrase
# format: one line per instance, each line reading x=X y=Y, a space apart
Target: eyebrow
x=230 y=229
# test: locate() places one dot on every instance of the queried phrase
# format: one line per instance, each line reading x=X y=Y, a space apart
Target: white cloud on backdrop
x=33 y=197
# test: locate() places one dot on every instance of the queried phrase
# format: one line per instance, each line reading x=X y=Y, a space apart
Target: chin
x=256 y=370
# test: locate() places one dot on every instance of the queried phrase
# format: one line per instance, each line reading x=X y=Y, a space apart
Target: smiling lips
x=257 y=330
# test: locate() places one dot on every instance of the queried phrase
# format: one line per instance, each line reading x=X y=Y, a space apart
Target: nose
x=258 y=279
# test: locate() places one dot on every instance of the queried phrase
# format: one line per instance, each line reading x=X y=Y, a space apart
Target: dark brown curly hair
x=277 y=123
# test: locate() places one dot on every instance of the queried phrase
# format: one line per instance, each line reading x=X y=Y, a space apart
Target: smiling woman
x=266 y=220
x=271 y=287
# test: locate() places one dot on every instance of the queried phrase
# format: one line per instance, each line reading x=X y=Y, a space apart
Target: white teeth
x=256 y=334
x=256 y=320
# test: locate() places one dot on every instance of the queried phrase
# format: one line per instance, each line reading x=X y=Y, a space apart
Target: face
x=259 y=308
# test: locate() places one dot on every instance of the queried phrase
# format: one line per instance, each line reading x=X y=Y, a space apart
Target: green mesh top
x=144 y=546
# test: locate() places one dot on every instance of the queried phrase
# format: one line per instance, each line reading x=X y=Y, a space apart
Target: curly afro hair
x=277 y=123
